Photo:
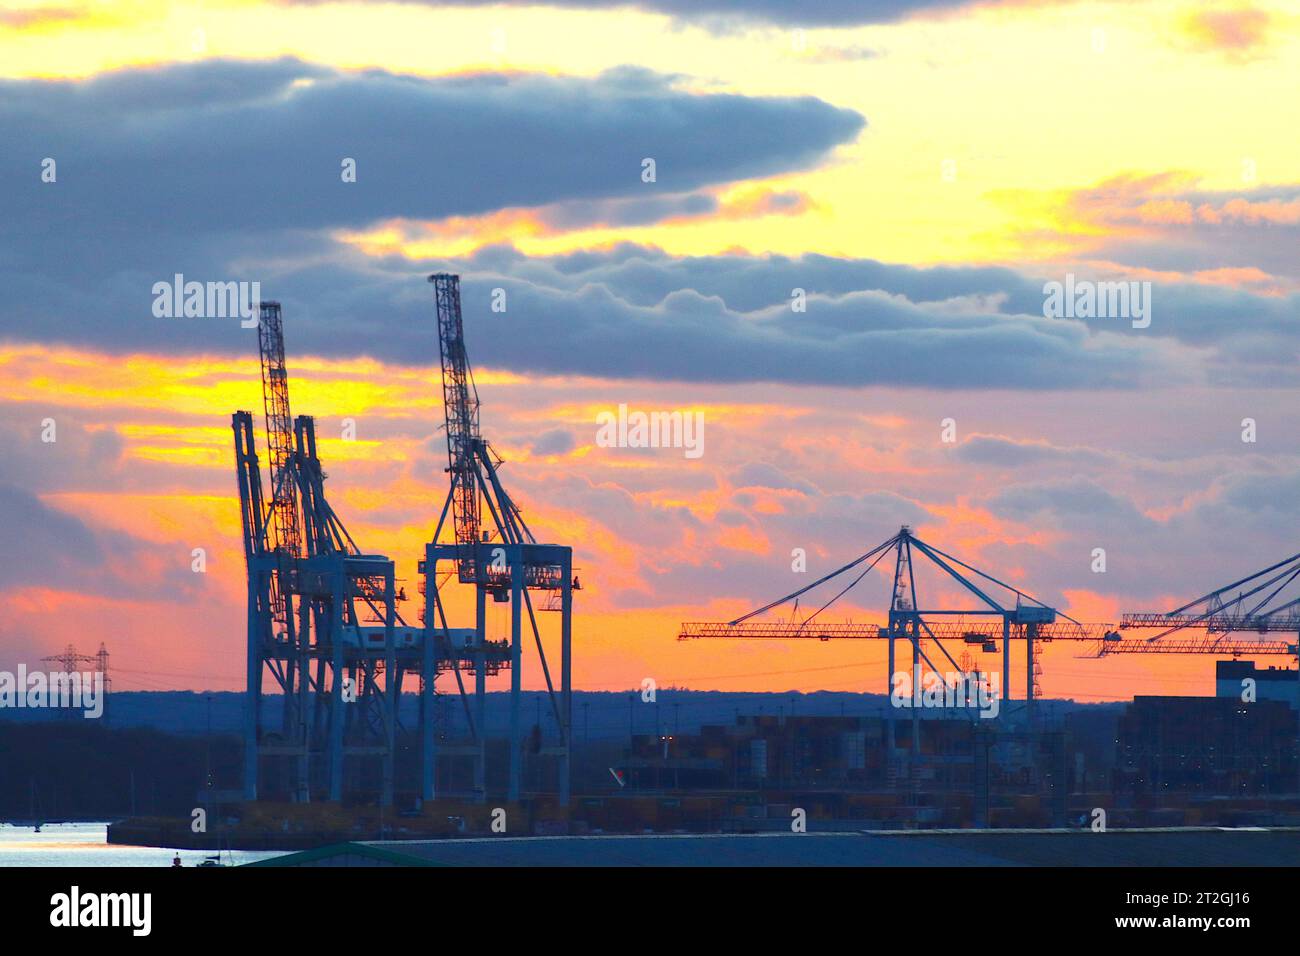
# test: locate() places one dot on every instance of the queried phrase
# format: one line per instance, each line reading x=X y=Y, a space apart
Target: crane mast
x=286 y=537
x=279 y=431
x=461 y=407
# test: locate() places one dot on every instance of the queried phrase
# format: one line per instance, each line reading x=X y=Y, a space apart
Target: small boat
x=215 y=859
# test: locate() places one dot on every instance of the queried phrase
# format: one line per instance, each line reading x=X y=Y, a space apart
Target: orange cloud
x=1070 y=224
x=1238 y=34
x=50 y=18
x=586 y=227
x=635 y=521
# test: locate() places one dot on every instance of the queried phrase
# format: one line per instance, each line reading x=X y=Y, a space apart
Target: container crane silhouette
x=493 y=549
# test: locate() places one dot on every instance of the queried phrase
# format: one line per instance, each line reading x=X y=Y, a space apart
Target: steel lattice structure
x=322 y=617
x=1000 y=613
x=70 y=659
x=1265 y=603
x=279 y=431
x=497 y=553
x=1256 y=609
x=1261 y=605
x=461 y=411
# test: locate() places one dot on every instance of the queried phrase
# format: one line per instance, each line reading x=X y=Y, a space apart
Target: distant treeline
x=597 y=715
x=84 y=769
x=150 y=753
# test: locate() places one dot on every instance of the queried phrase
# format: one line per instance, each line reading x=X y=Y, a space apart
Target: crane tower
x=496 y=552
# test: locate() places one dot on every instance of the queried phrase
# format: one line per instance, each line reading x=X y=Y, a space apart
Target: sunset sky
x=920 y=168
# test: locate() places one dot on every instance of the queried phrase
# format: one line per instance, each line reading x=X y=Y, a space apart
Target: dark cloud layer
x=235 y=145
x=229 y=171
x=864 y=337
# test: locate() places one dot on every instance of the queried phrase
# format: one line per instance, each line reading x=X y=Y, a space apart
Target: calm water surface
x=86 y=844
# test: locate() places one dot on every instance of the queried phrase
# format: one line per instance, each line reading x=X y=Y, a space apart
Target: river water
x=86 y=844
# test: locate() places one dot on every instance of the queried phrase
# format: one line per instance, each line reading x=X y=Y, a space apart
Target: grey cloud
x=722 y=15
x=564 y=320
x=340 y=303
x=53 y=547
x=1002 y=452
x=860 y=338
x=638 y=211
x=1254 y=504
x=557 y=441
x=231 y=171
x=141 y=197
x=762 y=475
x=232 y=145
x=60 y=465
x=1228 y=528
x=1067 y=501
x=646 y=276
x=50 y=548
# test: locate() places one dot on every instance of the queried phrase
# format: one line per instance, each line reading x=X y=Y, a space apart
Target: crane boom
x=279 y=432
x=461 y=410
x=1218 y=646
x=976 y=632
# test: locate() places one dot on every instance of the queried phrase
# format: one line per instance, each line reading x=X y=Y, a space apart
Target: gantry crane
x=496 y=552
x=1002 y=613
x=1262 y=605
x=322 y=615
x=312 y=611
x=1265 y=602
